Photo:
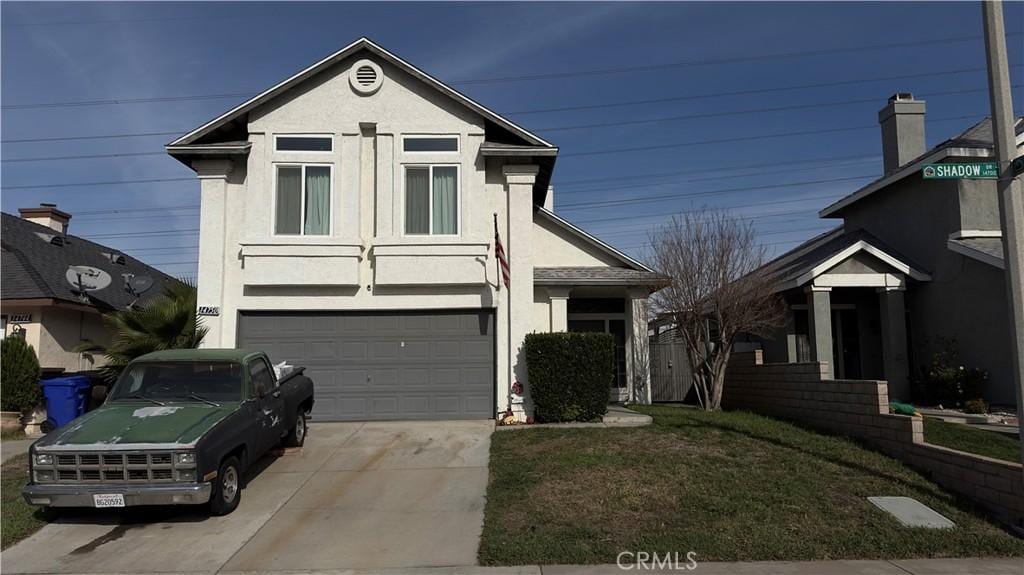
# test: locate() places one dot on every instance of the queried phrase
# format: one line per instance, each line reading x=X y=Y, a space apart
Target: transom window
x=432 y=200
x=430 y=143
x=302 y=202
x=303 y=143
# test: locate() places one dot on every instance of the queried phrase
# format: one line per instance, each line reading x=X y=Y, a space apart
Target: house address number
x=209 y=310
x=19 y=318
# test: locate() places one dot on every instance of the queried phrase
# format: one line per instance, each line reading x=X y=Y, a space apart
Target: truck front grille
x=130 y=467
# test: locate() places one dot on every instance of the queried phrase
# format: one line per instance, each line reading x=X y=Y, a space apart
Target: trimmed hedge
x=570 y=374
x=19 y=376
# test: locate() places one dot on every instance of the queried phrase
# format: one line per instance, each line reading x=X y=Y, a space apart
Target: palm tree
x=169 y=322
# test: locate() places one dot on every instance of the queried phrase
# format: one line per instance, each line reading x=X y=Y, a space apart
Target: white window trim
x=430 y=199
x=302 y=205
x=304 y=136
x=458 y=143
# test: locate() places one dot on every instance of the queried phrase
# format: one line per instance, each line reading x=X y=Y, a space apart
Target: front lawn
x=978 y=441
x=19 y=519
x=730 y=486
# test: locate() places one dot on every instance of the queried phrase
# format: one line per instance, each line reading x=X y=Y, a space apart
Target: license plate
x=108 y=500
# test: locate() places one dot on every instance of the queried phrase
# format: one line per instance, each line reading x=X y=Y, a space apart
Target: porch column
x=559 y=306
x=894 y=342
x=819 y=305
x=638 y=354
x=519 y=181
x=213 y=176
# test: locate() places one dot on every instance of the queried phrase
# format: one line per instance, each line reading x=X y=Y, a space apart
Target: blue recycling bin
x=65 y=399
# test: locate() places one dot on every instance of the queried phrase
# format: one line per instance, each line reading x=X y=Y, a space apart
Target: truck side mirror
x=99 y=392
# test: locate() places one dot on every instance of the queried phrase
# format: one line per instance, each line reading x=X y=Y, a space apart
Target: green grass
x=978 y=441
x=19 y=519
x=730 y=486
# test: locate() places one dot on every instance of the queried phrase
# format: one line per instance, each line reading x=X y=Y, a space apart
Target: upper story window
x=303 y=143
x=432 y=200
x=430 y=143
x=302 y=200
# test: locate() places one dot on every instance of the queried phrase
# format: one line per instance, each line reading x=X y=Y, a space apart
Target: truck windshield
x=180 y=381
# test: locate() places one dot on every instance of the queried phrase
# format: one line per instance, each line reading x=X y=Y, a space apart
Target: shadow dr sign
x=975 y=171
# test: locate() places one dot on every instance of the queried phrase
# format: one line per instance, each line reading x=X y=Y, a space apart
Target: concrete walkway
x=617 y=416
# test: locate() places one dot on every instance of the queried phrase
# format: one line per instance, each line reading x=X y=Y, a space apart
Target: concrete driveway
x=358 y=495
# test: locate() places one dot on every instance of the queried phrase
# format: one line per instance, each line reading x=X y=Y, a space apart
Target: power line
x=745 y=92
x=125 y=210
x=108 y=183
x=718 y=61
x=829 y=160
x=645 y=199
x=85 y=157
x=152 y=233
x=743 y=138
x=708 y=179
x=598 y=72
x=704 y=115
x=97 y=137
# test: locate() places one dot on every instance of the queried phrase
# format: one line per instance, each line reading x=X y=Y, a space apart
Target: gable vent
x=365 y=77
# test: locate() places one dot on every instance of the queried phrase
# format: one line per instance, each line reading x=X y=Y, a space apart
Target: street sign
x=978 y=171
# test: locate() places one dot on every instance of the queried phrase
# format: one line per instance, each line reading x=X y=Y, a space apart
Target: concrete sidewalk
x=895 y=567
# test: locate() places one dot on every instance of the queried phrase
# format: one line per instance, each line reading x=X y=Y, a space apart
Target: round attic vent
x=365 y=77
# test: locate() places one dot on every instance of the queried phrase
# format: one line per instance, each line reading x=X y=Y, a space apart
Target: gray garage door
x=385 y=365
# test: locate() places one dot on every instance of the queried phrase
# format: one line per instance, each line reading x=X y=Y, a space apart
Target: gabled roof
x=974 y=142
x=816 y=256
x=361 y=44
x=565 y=225
x=35 y=268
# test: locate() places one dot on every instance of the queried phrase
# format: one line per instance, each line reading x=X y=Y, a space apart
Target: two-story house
x=917 y=263
x=348 y=225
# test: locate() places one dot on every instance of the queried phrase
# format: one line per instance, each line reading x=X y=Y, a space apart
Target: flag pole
x=500 y=253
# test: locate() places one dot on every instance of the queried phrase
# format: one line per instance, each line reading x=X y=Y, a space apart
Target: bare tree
x=719 y=289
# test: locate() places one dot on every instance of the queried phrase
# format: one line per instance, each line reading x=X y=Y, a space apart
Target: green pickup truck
x=178 y=427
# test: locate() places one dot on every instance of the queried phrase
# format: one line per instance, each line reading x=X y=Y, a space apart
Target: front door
x=617 y=328
x=846 y=343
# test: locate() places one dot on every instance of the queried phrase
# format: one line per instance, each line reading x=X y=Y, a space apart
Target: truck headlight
x=187 y=458
x=44 y=475
x=43 y=459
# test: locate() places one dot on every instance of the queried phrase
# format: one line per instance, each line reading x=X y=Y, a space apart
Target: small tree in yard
x=718 y=290
x=168 y=322
x=19 y=376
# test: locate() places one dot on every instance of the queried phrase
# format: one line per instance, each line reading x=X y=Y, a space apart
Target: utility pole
x=1011 y=202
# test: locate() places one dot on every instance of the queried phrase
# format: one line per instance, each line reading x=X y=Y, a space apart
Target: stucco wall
x=554 y=247
x=55 y=332
x=966 y=299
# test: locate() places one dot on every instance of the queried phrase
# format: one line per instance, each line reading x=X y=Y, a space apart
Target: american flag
x=499 y=252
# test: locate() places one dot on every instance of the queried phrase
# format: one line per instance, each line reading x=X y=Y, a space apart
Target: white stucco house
x=347 y=225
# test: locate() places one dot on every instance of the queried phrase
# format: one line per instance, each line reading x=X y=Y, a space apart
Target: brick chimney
x=47 y=215
x=902 y=121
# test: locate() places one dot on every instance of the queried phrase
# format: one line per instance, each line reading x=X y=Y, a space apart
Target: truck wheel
x=297 y=436
x=227 y=488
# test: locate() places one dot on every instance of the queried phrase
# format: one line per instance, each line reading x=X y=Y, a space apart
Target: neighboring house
x=39 y=303
x=348 y=225
x=915 y=262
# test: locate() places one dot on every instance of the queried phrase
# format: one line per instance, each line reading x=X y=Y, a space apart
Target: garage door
x=385 y=365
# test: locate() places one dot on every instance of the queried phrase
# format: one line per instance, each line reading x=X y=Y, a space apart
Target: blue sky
x=87 y=52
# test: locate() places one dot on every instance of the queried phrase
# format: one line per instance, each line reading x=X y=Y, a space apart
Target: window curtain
x=417 y=201
x=289 y=200
x=318 y=201
x=446 y=211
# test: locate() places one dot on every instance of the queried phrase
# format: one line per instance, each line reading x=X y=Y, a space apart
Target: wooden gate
x=671 y=378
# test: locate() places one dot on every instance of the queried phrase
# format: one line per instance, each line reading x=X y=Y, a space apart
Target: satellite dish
x=87 y=278
x=138 y=285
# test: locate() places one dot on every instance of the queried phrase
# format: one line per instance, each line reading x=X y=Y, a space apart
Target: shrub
x=945 y=380
x=975 y=406
x=19 y=376
x=570 y=374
